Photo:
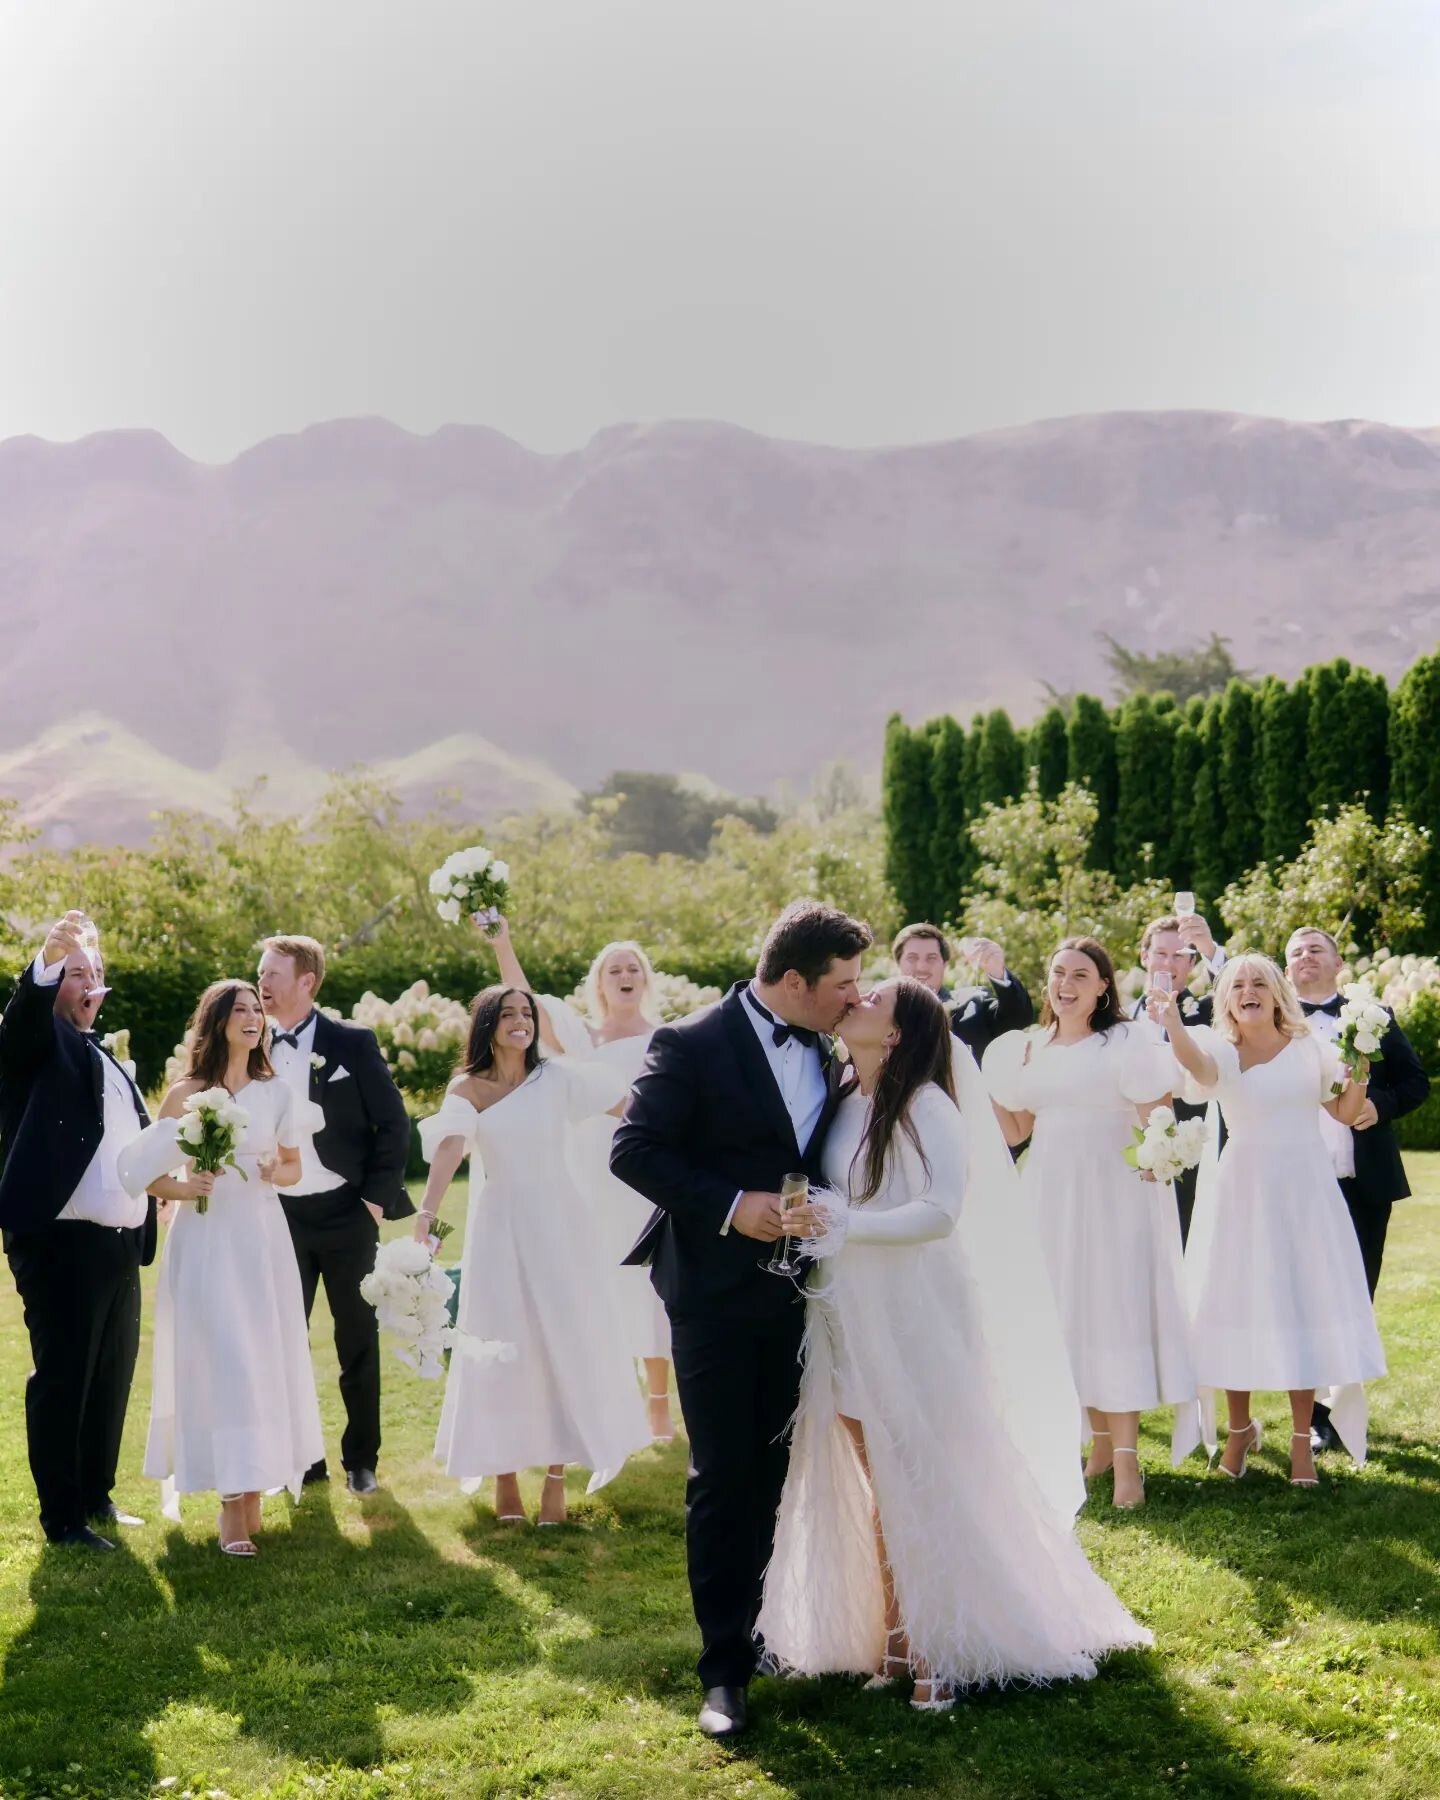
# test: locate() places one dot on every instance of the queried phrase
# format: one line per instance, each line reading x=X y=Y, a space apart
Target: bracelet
x=432 y=1217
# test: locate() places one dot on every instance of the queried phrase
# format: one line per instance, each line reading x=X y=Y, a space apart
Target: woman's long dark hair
x=921 y=1056
x=485 y=1010
x=209 y=1053
x=1108 y=1013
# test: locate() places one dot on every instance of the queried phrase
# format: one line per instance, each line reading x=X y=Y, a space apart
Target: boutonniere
x=317 y=1062
x=1189 y=1006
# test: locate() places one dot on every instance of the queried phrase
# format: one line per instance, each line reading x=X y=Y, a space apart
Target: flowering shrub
x=421 y=1035
x=1399 y=980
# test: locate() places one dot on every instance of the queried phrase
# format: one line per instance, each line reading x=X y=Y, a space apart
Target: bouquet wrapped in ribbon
x=472 y=881
x=411 y=1295
x=209 y=1130
x=1165 y=1146
x=1363 y=1022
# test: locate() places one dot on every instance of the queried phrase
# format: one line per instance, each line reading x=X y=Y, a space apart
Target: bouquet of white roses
x=472 y=881
x=1165 y=1146
x=411 y=1297
x=1363 y=1022
x=209 y=1130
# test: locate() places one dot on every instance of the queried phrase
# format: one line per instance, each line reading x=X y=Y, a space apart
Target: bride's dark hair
x=922 y=1056
x=485 y=1011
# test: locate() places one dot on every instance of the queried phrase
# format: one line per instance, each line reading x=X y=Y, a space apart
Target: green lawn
x=412 y=1646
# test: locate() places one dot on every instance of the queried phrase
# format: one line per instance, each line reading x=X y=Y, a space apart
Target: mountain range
x=468 y=614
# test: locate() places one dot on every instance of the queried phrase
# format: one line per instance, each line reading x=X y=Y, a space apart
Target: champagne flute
x=794 y=1191
x=1184 y=905
x=90 y=950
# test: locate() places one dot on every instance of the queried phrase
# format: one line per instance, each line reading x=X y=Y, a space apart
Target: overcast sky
x=853 y=221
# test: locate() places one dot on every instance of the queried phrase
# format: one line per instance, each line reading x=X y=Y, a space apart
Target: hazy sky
x=852 y=222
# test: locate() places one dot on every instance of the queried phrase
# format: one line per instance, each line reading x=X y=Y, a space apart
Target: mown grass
x=411 y=1645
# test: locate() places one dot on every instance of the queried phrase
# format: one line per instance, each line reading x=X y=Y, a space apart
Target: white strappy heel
x=1254 y=1444
x=1130 y=1505
x=892 y=1667
x=1303 y=1481
x=542 y=1523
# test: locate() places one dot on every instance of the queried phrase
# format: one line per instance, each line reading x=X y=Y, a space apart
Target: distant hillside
x=673 y=596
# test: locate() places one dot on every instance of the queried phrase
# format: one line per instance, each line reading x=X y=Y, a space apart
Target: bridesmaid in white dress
x=620 y=994
x=233 y=1407
x=528 y=1270
x=917 y=1533
x=1076 y=1085
x=1273 y=1273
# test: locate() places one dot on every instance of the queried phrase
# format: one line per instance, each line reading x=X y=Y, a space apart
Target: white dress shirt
x=100 y=1199
x=1339 y=1139
x=799 y=1075
x=292 y=1064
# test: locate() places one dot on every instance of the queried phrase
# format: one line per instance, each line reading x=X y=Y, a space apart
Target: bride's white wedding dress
x=990 y=1581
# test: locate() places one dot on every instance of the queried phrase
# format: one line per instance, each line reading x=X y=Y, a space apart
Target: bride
x=918 y=1531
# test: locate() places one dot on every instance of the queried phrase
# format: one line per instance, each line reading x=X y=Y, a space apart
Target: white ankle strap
x=551 y=1477
x=1126 y=1450
x=1240 y=1430
x=1300 y=1434
x=1099 y=1434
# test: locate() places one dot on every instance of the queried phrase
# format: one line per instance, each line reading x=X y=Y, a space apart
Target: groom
x=730 y=1101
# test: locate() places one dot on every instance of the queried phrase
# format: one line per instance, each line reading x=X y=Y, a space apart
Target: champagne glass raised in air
x=794 y=1191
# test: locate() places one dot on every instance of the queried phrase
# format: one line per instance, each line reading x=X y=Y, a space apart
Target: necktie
x=781 y=1031
x=1332 y=1007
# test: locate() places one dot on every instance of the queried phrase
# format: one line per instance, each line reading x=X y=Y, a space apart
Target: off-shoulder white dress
x=534 y=1273
x=233 y=1407
x=1112 y=1241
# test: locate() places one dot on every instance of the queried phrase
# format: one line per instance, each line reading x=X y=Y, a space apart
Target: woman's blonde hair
x=595 y=1003
x=1288 y=1013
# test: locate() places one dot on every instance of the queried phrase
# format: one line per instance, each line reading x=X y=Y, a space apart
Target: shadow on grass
x=299 y=1649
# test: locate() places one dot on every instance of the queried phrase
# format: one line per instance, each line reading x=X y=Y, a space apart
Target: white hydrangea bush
x=421 y=1035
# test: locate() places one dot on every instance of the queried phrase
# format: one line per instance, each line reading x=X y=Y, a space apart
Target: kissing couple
x=921 y=1526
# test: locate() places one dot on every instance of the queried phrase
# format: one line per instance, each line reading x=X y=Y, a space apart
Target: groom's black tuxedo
x=366 y=1139
x=1195 y=1010
x=706 y=1120
x=977 y=1018
x=79 y=1281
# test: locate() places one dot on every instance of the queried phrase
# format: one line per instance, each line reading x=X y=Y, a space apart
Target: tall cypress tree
x=1207 y=819
x=1365 y=703
x=1091 y=759
x=1000 y=763
x=1415 y=773
x=1144 y=786
x=1240 y=837
x=1185 y=759
x=1281 y=782
x=970 y=786
x=908 y=808
x=947 y=793
x=1049 y=752
x=1329 y=778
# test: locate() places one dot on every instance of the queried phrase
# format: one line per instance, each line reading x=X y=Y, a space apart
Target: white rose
x=191 y=1129
x=449 y=911
x=500 y=870
x=1145 y=1153
x=1161 y=1119
x=439 y=882
x=1366 y=1042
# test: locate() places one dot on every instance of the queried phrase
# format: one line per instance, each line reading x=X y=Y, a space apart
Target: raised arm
x=514 y=976
x=1197 y=1062
x=27 y=1029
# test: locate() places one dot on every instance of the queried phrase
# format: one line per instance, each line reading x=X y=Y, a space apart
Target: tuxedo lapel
x=316 y=1086
x=759 y=1076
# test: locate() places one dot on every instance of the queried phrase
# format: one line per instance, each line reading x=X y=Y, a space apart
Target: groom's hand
x=759 y=1216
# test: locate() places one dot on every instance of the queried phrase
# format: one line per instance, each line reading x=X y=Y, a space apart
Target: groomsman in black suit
x=977 y=1018
x=1367 y=1159
x=352 y=1175
x=75 y=1240
x=730 y=1101
x=1169 y=949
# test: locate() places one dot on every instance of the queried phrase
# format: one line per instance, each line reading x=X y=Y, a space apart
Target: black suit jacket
x=981 y=1017
x=706 y=1121
x=52 y=1111
x=1398 y=1084
x=366 y=1140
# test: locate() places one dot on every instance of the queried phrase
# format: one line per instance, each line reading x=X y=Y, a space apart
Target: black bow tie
x=1330 y=1007
x=802 y=1034
x=292 y=1038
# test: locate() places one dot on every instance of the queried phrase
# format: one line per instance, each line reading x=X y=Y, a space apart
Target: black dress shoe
x=316 y=1472
x=1322 y=1436
x=723 y=1713
x=361 y=1481
x=81 y=1537
x=112 y=1515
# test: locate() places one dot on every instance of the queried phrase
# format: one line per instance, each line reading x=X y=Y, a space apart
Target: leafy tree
x=1360 y=881
x=1206 y=669
x=1240 y=833
x=654 y=813
x=1091 y=760
x=1186 y=755
x=1281 y=786
x=1144 y=776
x=1329 y=783
x=1365 y=703
x=1049 y=751
x=1036 y=884
x=1207 y=813
x=949 y=842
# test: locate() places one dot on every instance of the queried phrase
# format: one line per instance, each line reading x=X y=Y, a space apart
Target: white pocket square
x=341 y=1074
